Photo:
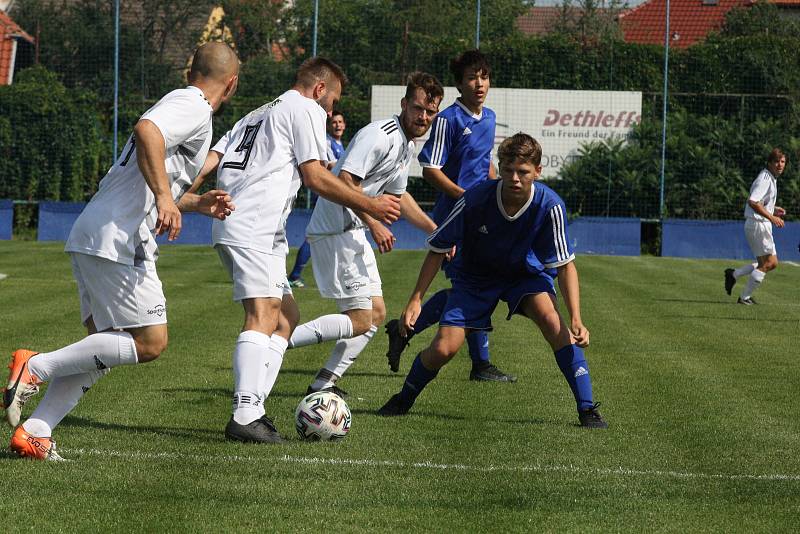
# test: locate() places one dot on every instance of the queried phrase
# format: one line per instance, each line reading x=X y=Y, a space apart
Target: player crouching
x=513 y=240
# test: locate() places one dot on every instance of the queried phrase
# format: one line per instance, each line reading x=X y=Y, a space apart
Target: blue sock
x=478 y=342
x=575 y=369
x=418 y=377
x=303 y=255
x=431 y=311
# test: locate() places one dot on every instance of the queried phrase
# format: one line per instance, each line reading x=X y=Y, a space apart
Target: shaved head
x=317 y=69
x=214 y=61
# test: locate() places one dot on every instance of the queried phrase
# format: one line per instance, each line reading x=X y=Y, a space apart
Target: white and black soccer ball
x=322 y=416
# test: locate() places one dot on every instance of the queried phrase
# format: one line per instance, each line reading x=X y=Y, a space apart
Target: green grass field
x=700 y=394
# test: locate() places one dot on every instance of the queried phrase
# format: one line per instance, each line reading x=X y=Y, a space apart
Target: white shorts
x=345 y=269
x=116 y=295
x=255 y=274
x=759 y=237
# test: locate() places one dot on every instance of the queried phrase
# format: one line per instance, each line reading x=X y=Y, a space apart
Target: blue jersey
x=335 y=148
x=494 y=246
x=461 y=146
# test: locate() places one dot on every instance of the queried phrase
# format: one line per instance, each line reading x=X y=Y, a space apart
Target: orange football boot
x=22 y=385
x=33 y=448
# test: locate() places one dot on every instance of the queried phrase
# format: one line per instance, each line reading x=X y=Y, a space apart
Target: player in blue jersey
x=457 y=156
x=512 y=240
x=336 y=127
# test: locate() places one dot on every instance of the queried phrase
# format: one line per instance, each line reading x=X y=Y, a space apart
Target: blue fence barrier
x=589 y=235
x=6 y=218
x=606 y=235
x=721 y=239
x=56 y=219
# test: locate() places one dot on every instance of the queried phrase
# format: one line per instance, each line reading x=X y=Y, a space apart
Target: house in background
x=16 y=49
x=691 y=21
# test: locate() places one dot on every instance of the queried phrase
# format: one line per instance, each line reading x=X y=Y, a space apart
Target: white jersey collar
x=200 y=92
x=477 y=117
x=499 y=196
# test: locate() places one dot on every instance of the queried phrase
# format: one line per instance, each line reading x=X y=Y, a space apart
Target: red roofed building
x=538 y=20
x=14 y=43
x=690 y=20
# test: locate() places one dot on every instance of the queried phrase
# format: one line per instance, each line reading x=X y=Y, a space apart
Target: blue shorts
x=471 y=306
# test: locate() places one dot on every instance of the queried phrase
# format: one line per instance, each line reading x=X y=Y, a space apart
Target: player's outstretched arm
x=151 y=154
x=215 y=203
x=411 y=211
x=385 y=208
x=382 y=236
x=428 y=271
x=570 y=290
x=439 y=180
x=209 y=166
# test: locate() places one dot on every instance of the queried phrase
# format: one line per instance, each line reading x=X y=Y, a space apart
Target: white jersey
x=765 y=191
x=117 y=223
x=259 y=168
x=380 y=155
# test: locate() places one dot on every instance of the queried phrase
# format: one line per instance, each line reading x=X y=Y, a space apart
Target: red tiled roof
x=690 y=21
x=538 y=20
x=9 y=30
x=542 y=20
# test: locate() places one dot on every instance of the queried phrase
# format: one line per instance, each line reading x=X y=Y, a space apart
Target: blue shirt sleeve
x=434 y=153
x=552 y=244
x=450 y=231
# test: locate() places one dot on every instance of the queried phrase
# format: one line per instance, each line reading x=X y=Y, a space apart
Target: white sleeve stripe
x=560 y=263
x=559 y=235
x=438 y=250
x=457 y=208
x=438 y=144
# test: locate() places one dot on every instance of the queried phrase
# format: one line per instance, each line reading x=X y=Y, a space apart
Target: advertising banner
x=561 y=121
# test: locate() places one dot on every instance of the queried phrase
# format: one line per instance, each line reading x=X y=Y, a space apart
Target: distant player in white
x=376 y=162
x=760 y=214
x=113 y=251
x=262 y=162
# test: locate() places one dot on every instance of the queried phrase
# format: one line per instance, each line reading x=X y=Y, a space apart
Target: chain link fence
x=566 y=74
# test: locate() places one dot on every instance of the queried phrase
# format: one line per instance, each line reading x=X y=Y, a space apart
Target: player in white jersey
x=262 y=162
x=376 y=161
x=760 y=214
x=113 y=251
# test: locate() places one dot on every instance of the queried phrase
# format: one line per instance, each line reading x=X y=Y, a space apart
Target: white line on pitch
x=3 y=276
x=793 y=264
x=618 y=471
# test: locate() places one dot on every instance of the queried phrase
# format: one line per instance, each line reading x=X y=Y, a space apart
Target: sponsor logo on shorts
x=354 y=286
x=159 y=310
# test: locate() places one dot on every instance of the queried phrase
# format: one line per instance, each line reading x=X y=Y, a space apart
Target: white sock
x=277 y=348
x=744 y=270
x=753 y=281
x=343 y=355
x=326 y=328
x=95 y=352
x=249 y=370
x=63 y=393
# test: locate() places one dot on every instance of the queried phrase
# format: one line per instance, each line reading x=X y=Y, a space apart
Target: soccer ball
x=322 y=416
